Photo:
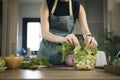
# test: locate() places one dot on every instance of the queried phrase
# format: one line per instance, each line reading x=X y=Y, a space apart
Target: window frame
x=24 y=29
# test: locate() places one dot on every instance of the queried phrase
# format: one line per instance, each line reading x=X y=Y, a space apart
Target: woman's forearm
x=53 y=38
x=89 y=40
x=83 y=21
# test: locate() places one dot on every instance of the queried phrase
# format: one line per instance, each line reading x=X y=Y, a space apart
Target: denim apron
x=61 y=26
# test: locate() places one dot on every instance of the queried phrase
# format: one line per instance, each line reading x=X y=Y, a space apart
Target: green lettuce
x=66 y=49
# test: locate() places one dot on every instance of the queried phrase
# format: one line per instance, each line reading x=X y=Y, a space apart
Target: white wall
x=26 y=10
x=116 y=18
x=114 y=15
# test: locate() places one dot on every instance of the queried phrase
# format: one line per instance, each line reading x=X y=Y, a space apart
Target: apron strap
x=70 y=8
x=55 y=4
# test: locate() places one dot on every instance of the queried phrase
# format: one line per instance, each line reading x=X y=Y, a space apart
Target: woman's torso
x=61 y=23
x=62 y=8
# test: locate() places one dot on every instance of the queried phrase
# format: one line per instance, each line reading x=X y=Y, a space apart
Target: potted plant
x=112 y=48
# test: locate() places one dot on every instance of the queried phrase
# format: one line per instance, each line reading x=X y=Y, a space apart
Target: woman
x=57 y=23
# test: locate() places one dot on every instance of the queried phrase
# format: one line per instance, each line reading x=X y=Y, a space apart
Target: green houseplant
x=111 y=45
x=112 y=49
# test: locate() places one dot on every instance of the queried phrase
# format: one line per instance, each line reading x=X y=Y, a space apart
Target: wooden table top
x=57 y=73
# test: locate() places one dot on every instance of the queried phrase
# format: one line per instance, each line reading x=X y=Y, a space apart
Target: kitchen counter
x=57 y=73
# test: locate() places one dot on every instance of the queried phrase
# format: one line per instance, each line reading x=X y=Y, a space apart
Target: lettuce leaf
x=66 y=49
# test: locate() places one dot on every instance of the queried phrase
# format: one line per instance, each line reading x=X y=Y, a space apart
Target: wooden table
x=57 y=73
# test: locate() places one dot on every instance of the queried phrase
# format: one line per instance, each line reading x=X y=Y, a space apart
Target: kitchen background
x=17 y=15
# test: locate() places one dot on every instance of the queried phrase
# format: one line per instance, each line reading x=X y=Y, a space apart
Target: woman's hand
x=90 y=42
x=72 y=39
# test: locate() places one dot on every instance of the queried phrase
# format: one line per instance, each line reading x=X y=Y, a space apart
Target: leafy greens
x=82 y=56
x=65 y=50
